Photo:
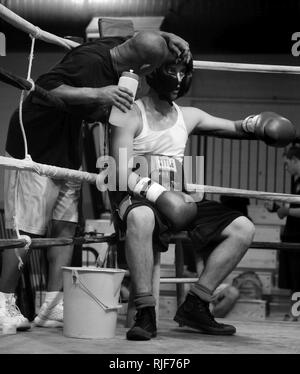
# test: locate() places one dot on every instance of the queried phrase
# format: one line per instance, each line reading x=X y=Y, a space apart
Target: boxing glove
x=270 y=127
x=178 y=207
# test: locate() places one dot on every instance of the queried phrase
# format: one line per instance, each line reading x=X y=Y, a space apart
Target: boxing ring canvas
x=272 y=337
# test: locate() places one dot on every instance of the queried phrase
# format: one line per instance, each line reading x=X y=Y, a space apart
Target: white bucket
x=91 y=301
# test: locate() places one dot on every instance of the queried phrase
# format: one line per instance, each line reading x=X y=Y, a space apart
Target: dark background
x=211 y=26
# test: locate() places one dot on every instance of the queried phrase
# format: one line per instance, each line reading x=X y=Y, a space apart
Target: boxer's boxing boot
x=144 y=327
x=194 y=312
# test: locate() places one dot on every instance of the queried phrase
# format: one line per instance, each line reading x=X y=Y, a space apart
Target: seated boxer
x=156 y=127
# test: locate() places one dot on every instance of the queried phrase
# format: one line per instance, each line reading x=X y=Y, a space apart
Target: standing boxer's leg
x=51 y=312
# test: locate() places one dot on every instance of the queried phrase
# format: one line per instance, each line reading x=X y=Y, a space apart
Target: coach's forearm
x=76 y=95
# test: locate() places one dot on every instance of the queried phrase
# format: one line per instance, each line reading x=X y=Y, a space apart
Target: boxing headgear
x=164 y=82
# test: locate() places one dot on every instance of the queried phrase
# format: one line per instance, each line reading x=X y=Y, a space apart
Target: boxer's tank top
x=167 y=142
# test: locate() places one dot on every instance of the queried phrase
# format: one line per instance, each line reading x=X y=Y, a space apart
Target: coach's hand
x=178 y=46
x=120 y=97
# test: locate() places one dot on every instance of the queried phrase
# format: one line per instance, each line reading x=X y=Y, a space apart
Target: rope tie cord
x=36 y=32
x=16 y=227
x=30 y=58
x=15 y=222
x=27 y=156
x=22 y=237
x=27 y=238
x=32 y=85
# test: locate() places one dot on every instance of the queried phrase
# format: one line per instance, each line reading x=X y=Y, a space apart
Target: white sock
x=3 y=297
x=53 y=297
x=6 y=296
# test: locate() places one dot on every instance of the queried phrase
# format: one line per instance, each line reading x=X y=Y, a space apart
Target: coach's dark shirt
x=53 y=135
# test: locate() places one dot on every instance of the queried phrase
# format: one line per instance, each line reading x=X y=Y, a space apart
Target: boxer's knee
x=140 y=221
x=243 y=230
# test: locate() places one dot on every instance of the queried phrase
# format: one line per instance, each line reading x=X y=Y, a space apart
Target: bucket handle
x=76 y=280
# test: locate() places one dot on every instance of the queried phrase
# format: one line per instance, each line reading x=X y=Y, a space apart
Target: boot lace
x=14 y=311
x=144 y=318
x=205 y=308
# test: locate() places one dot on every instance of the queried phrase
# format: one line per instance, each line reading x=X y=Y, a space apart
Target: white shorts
x=35 y=200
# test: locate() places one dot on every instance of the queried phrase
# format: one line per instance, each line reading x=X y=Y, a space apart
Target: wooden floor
x=265 y=337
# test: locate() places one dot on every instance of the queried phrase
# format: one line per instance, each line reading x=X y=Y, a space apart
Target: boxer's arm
x=122 y=144
x=174 y=205
x=270 y=127
x=199 y=122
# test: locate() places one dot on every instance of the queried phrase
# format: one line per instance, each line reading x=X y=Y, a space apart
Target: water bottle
x=129 y=80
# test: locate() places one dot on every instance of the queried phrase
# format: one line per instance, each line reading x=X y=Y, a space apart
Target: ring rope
x=242 y=67
x=38 y=243
x=272 y=196
x=21 y=83
x=98 y=179
x=20 y=23
x=38 y=33
x=48 y=170
x=35 y=243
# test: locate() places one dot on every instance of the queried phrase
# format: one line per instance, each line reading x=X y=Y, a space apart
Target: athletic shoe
x=145 y=325
x=10 y=313
x=195 y=313
x=50 y=315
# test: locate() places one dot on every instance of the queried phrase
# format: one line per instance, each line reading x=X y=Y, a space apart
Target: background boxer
x=289 y=260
